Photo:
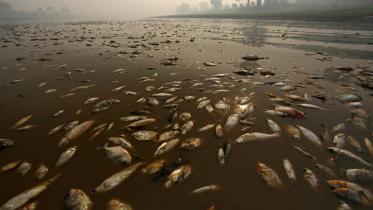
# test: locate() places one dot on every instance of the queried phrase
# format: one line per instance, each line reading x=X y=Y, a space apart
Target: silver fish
x=66 y=156
x=206 y=127
x=274 y=126
x=21 y=121
x=141 y=123
x=76 y=199
x=117 y=154
x=167 y=136
x=350 y=155
x=208 y=188
x=255 y=136
x=311 y=136
x=187 y=127
x=144 y=135
x=21 y=199
x=76 y=132
x=289 y=170
x=269 y=176
x=166 y=146
x=24 y=167
x=117 y=178
x=121 y=141
x=178 y=175
x=339 y=140
x=232 y=121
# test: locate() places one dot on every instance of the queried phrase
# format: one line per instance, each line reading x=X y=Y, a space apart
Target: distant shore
x=363 y=14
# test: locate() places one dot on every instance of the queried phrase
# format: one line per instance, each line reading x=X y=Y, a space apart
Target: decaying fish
x=221 y=156
x=294 y=113
x=166 y=146
x=21 y=122
x=293 y=131
x=132 y=118
x=363 y=175
x=311 y=136
x=187 y=127
x=339 y=140
x=311 y=179
x=289 y=170
x=56 y=129
x=154 y=167
x=41 y=171
x=232 y=121
x=305 y=152
x=21 y=199
x=117 y=178
x=350 y=155
x=269 y=176
x=117 y=154
x=75 y=132
x=354 y=143
x=167 y=136
x=353 y=195
x=326 y=170
x=274 y=126
x=115 y=204
x=76 y=199
x=24 y=167
x=121 y=141
x=144 y=135
x=190 y=143
x=6 y=143
x=9 y=166
x=208 y=188
x=141 y=123
x=178 y=175
x=255 y=136
x=206 y=127
x=66 y=156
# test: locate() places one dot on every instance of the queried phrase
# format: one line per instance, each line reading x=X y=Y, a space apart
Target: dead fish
x=41 y=171
x=154 y=167
x=117 y=154
x=209 y=64
x=26 y=127
x=274 y=126
x=232 y=121
x=42 y=84
x=119 y=88
x=58 y=113
x=166 y=146
x=311 y=179
x=115 y=204
x=6 y=143
x=275 y=113
x=50 y=91
x=208 y=188
x=187 y=127
x=294 y=113
x=56 y=129
x=293 y=131
x=339 y=127
x=167 y=136
x=66 y=156
x=190 y=143
x=9 y=166
x=30 y=206
x=152 y=102
x=75 y=132
x=91 y=100
x=76 y=199
x=185 y=116
x=354 y=143
x=269 y=176
x=206 y=127
x=348 y=98
x=289 y=170
x=24 y=167
x=221 y=105
x=221 y=156
x=310 y=106
x=144 y=135
x=350 y=155
x=362 y=175
x=203 y=104
x=305 y=152
x=21 y=122
x=339 y=140
x=141 y=123
x=326 y=170
x=123 y=142
x=353 y=195
x=21 y=199
x=343 y=206
x=178 y=175
x=117 y=178
x=70 y=125
x=219 y=131
x=311 y=136
x=132 y=118
x=98 y=131
x=255 y=136
x=369 y=145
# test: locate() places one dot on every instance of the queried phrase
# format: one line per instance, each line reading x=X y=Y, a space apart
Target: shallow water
x=221 y=41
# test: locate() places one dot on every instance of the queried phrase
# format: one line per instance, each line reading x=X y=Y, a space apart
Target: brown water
x=220 y=41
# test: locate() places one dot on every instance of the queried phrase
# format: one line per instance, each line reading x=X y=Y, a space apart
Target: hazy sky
x=109 y=8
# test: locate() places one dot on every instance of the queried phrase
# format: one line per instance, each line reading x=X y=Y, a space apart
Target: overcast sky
x=109 y=8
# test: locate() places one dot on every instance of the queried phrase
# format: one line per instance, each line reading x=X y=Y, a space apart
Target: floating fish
x=178 y=175
x=76 y=199
x=289 y=170
x=255 y=136
x=75 y=132
x=269 y=176
x=66 y=156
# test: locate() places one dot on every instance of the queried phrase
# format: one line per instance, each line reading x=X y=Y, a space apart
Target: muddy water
x=86 y=46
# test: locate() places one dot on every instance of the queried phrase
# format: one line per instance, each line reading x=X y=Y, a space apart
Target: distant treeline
x=265 y=6
x=49 y=13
